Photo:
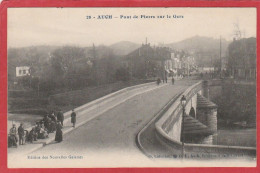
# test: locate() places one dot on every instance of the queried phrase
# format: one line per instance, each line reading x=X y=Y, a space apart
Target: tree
x=122 y=74
x=242 y=55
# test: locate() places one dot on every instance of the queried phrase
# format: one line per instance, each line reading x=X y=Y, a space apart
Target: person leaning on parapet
x=21 y=134
x=60 y=117
x=73 y=118
x=13 y=135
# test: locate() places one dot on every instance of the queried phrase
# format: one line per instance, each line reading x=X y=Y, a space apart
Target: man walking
x=60 y=117
x=21 y=134
x=73 y=118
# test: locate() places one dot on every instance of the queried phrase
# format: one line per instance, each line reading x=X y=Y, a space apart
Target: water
x=236 y=116
x=236 y=105
x=237 y=137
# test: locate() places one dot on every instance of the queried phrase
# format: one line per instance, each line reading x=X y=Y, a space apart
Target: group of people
x=51 y=123
x=159 y=80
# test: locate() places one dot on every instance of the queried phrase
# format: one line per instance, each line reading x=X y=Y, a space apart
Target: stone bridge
x=200 y=118
x=199 y=125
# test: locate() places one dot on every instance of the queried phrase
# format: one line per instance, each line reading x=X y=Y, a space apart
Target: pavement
x=105 y=136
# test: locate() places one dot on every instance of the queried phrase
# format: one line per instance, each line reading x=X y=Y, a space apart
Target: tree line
x=67 y=67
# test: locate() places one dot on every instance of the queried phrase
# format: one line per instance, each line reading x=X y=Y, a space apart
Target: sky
x=69 y=26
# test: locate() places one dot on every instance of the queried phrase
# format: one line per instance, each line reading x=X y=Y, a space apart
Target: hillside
x=124 y=47
x=199 y=43
x=205 y=49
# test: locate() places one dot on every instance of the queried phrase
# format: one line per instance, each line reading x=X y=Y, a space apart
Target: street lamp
x=183 y=104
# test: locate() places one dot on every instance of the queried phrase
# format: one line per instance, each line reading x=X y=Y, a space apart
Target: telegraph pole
x=220 y=57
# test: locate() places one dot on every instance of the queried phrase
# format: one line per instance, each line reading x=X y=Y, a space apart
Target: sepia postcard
x=131 y=87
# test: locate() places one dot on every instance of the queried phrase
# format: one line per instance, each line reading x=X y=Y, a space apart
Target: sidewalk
x=85 y=113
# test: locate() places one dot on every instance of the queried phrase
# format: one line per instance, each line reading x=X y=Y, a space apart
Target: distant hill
x=124 y=47
x=205 y=49
x=199 y=43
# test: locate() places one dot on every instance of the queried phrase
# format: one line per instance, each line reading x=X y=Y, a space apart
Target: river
x=236 y=115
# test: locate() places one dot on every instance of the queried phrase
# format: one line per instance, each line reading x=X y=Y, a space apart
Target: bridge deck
x=111 y=136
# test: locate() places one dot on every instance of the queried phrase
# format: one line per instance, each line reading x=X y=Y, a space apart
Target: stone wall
x=170 y=123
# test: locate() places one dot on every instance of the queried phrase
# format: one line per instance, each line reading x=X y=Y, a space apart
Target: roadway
x=111 y=136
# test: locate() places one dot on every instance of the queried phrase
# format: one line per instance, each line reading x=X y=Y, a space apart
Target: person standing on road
x=13 y=135
x=58 y=135
x=60 y=117
x=21 y=134
x=158 y=81
x=173 y=80
x=73 y=118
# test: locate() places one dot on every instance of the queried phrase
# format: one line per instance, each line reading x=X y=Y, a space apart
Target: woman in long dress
x=73 y=118
x=58 y=136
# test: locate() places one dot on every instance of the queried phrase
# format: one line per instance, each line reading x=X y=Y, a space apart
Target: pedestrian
x=44 y=133
x=158 y=81
x=53 y=117
x=37 y=129
x=173 y=80
x=21 y=134
x=58 y=135
x=60 y=117
x=52 y=126
x=32 y=135
x=46 y=122
x=166 y=79
x=13 y=136
x=73 y=118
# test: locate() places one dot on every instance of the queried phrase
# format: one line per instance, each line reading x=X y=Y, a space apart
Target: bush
x=122 y=74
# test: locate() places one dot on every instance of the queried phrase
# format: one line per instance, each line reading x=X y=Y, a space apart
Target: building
x=148 y=62
x=22 y=71
x=180 y=64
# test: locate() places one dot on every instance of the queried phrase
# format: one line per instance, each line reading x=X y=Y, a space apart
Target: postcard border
x=109 y=3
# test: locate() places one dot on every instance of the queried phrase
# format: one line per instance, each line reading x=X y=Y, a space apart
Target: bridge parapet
x=169 y=125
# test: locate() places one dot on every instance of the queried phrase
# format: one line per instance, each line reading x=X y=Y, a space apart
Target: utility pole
x=96 y=71
x=220 y=57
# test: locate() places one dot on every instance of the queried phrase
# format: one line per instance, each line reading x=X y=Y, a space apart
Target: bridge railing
x=100 y=101
x=171 y=119
x=107 y=98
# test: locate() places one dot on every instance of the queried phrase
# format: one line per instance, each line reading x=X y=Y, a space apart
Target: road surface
x=111 y=136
